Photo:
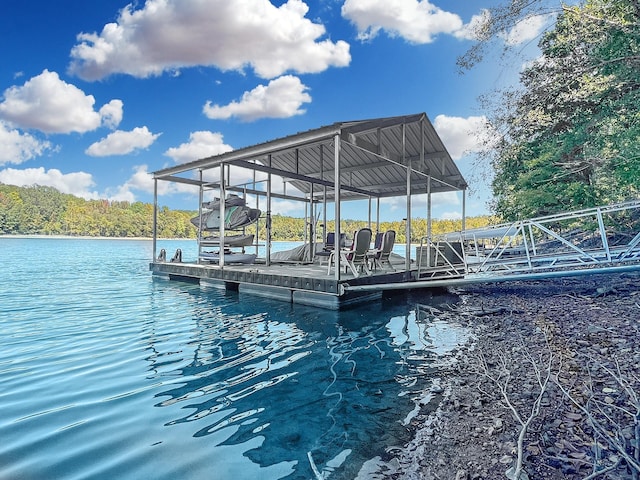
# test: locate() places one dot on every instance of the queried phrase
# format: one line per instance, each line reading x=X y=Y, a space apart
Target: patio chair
x=329 y=245
x=356 y=258
x=381 y=258
x=331 y=240
x=377 y=245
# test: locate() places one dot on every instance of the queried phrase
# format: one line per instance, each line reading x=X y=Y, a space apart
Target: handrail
x=532 y=245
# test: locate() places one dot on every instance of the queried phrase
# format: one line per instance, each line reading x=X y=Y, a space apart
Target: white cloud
x=17 y=147
x=122 y=143
x=111 y=113
x=142 y=181
x=51 y=105
x=122 y=194
x=281 y=98
x=201 y=144
x=171 y=34
x=475 y=29
x=417 y=21
x=527 y=29
x=75 y=183
x=287 y=207
x=462 y=136
x=419 y=203
x=451 y=215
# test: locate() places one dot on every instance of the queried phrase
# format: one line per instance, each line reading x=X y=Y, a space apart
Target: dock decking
x=302 y=283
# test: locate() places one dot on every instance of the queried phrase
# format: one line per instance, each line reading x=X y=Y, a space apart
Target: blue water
x=107 y=372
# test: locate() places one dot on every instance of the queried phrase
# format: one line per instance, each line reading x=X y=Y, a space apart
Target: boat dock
x=372 y=160
x=307 y=284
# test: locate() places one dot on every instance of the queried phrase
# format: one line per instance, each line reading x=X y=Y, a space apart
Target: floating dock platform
x=371 y=160
x=532 y=249
x=306 y=284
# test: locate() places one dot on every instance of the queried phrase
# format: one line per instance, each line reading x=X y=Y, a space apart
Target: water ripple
x=110 y=373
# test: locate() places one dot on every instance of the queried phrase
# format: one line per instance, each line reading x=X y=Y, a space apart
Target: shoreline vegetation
x=39 y=210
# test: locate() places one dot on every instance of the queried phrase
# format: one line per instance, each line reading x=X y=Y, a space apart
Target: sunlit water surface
x=107 y=372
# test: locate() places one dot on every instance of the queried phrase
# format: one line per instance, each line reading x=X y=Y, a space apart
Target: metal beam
x=188 y=181
x=296 y=176
x=469 y=280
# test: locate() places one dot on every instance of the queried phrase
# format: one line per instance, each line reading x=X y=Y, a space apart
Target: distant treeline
x=46 y=211
x=39 y=210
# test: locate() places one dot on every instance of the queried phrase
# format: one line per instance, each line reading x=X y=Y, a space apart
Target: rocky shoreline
x=552 y=378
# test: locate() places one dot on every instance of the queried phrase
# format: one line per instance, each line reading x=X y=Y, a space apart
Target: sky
x=95 y=96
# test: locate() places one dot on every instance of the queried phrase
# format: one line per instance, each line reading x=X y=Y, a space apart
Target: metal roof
x=374 y=157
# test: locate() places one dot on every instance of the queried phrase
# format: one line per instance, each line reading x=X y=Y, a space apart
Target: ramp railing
x=593 y=238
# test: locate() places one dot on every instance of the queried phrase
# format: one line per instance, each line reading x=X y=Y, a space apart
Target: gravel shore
x=552 y=376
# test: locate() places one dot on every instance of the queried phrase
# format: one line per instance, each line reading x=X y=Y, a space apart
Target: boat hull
x=230 y=201
x=229 y=257
x=239 y=240
x=235 y=217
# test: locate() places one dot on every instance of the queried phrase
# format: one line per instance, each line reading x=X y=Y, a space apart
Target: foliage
x=45 y=211
x=570 y=136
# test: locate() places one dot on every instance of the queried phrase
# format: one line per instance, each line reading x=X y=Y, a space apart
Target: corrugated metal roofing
x=374 y=157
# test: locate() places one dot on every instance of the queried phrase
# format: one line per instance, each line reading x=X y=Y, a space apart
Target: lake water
x=109 y=373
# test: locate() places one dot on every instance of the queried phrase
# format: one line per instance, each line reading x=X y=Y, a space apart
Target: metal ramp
x=579 y=242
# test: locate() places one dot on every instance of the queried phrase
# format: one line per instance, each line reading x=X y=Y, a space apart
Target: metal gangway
x=589 y=241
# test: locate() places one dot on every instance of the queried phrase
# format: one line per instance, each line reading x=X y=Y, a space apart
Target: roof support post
x=429 y=230
x=312 y=225
x=407 y=225
x=422 y=162
x=324 y=197
x=223 y=196
x=307 y=215
x=336 y=173
x=155 y=217
x=268 y=225
x=258 y=207
x=429 y=207
x=200 y=200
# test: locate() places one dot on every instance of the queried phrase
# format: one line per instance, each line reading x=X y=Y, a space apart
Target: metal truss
x=594 y=238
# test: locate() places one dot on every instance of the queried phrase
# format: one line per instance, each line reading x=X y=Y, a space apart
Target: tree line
x=41 y=210
x=289 y=228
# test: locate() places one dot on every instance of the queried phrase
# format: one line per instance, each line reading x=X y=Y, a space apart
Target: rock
x=511 y=474
x=437 y=389
x=462 y=475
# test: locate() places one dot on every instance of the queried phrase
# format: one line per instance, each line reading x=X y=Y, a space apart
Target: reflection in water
x=297 y=391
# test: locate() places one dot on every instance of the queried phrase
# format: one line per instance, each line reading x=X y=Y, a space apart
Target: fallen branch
x=606 y=419
x=501 y=377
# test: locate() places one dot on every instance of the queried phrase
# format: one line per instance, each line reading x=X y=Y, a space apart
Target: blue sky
x=94 y=96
